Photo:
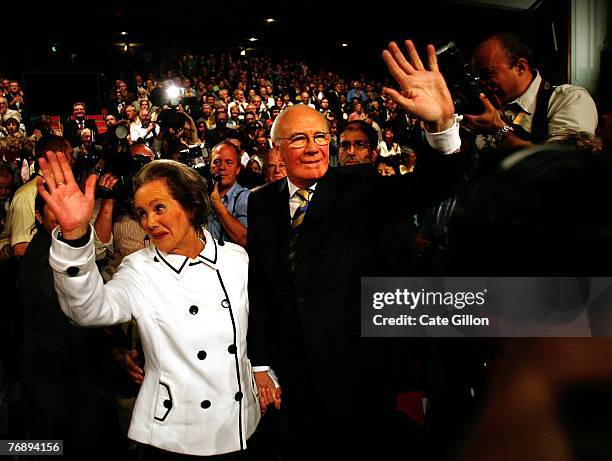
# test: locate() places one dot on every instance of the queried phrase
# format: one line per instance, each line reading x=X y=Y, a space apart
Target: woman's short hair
x=186 y=187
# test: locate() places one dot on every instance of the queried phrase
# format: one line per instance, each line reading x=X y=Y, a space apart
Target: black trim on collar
x=205 y=258
x=170 y=265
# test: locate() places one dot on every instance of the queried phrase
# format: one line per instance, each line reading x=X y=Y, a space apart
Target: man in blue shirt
x=356 y=93
x=229 y=199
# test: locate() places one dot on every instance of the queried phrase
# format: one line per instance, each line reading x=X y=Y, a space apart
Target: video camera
x=465 y=87
x=123 y=165
x=197 y=157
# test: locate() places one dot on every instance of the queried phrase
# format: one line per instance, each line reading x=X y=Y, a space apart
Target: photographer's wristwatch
x=502 y=133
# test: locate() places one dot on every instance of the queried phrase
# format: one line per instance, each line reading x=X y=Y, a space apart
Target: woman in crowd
x=188 y=295
x=254 y=164
x=389 y=146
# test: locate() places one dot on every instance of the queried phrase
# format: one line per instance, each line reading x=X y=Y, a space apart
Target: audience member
x=228 y=198
x=274 y=166
x=78 y=122
x=358 y=144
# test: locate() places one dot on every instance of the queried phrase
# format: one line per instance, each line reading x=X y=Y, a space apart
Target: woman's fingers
x=65 y=167
x=56 y=169
x=40 y=185
x=47 y=175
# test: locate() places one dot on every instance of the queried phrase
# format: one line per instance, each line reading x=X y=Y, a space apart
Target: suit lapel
x=281 y=207
x=281 y=222
x=311 y=234
x=323 y=199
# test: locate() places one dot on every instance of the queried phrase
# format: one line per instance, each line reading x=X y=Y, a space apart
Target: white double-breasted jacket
x=198 y=396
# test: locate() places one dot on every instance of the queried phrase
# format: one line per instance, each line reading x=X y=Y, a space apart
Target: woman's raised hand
x=60 y=191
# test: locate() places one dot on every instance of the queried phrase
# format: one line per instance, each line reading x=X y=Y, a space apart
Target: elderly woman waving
x=187 y=293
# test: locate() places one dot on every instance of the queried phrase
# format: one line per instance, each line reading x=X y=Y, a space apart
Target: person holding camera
x=520 y=110
x=85 y=155
x=145 y=128
x=525 y=109
x=229 y=199
x=187 y=293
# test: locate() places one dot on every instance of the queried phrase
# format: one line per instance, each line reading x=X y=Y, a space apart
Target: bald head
x=142 y=149
x=291 y=112
x=503 y=66
x=301 y=135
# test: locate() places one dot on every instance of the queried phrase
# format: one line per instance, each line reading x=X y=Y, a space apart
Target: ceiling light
x=269 y=20
x=253 y=39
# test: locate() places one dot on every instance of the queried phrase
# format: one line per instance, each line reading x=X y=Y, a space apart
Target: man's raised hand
x=423 y=93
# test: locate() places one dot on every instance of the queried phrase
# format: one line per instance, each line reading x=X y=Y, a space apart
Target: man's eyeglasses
x=297 y=141
x=359 y=145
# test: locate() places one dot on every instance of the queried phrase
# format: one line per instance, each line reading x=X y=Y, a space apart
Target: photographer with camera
x=86 y=155
x=522 y=108
x=229 y=199
x=147 y=130
x=518 y=109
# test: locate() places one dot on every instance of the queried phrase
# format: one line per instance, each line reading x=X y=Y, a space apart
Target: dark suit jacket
x=309 y=330
x=71 y=131
x=334 y=104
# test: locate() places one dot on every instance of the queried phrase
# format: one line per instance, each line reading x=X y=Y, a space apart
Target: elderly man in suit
x=312 y=236
x=78 y=122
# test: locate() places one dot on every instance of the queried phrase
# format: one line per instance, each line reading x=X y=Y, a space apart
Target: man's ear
x=374 y=155
x=522 y=66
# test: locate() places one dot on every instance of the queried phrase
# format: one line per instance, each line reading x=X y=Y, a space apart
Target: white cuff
x=71 y=260
x=271 y=374
x=261 y=368
x=447 y=141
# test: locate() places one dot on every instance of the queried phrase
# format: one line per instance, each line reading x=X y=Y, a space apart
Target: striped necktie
x=296 y=223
